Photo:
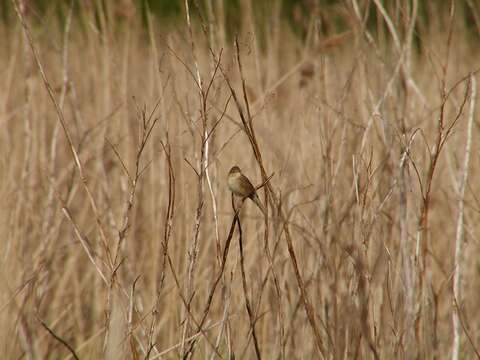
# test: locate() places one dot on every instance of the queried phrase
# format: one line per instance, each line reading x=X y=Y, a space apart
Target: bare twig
x=248 y=305
x=60 y=340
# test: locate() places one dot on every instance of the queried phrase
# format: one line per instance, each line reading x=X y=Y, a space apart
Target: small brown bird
x=240 y=186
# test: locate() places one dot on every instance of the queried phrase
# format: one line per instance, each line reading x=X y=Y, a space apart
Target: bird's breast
x=234 y=184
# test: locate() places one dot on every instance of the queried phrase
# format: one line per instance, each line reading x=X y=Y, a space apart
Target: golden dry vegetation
x=118 y=235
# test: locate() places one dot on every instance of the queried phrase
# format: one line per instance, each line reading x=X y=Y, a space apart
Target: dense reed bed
x=119 y=239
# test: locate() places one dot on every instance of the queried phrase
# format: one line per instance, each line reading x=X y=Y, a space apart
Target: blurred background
x=331 y=13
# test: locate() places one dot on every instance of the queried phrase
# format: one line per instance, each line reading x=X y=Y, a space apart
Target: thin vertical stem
x=459 y=238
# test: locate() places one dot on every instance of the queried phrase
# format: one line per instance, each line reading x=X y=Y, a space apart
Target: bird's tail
x=257 y=201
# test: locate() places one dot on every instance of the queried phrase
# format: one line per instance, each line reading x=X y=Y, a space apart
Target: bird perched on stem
x=240 y=186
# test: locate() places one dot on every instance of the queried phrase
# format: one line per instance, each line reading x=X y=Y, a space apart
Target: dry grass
x=133 y=249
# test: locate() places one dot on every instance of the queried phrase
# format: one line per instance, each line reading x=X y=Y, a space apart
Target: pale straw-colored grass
x=364 y=203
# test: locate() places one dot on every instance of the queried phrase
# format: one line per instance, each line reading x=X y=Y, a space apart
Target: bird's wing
x=247 y=185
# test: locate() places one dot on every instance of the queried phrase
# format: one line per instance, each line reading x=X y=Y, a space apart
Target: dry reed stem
x=215 y=283
x=61 y=118
x=459 y=238
x=248 y=305
x=248 y=127
x=192 y=253
x=63 y=93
